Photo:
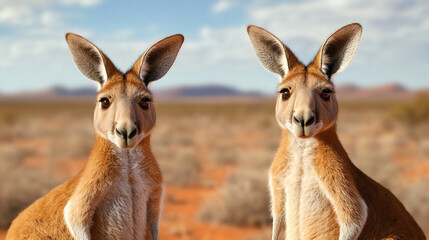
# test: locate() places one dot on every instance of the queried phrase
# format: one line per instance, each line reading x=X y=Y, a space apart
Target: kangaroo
x=316 y=191
x=118 y=194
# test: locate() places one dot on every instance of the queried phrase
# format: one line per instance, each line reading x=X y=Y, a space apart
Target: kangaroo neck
x=106 y=150
x=325 y=145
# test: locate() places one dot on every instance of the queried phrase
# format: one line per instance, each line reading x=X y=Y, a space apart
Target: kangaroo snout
x=303 y=120
x=303 y=123
x=125 y=133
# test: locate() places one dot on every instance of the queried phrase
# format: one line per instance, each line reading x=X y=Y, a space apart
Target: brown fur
x=118 y=194
x=314 y=185
x=44 y=219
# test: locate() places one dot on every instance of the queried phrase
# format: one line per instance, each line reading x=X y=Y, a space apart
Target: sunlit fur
x=118 y=194
x=316 y=191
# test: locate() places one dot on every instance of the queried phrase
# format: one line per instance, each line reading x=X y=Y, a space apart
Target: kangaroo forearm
x=349 y=207
x=154 y=210
x=352 y=223
x=278 y=225
x=278 y=199
x=80 y=208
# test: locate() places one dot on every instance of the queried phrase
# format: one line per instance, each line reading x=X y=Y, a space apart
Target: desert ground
x=214 y=156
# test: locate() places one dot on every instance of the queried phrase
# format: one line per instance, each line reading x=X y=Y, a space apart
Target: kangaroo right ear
x=339 y=49
x=158 y=59
x=91 y=62
x=272 y=53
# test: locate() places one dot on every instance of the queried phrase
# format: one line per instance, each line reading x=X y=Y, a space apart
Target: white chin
x=304 y=133
x=121 y=143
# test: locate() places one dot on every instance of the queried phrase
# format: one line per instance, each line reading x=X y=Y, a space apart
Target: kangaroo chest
x=122 y=211
x=309 y=214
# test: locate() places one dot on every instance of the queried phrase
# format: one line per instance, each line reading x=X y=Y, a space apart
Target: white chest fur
x=305 y=201
x=122 y=212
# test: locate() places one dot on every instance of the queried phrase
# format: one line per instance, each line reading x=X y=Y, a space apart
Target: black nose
x=309 y=121
x=123 y=133
x=132 y=133
x=299 y=120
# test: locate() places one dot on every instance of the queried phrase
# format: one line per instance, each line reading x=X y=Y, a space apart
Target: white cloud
x=390 y=28
x=48 y=3
x=83 y=3
x=48 y=18
x=19 y=51
x=16 y=15
x=223 y=5
x=216 y=48
x=34 y=12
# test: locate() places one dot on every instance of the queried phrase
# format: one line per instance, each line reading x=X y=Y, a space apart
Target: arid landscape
x=214 y=156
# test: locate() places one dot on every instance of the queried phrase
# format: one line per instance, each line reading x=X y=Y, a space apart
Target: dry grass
x=189 y=138
x=19 y=186
x=243 y=200
x=412 y=113
x=180 y=168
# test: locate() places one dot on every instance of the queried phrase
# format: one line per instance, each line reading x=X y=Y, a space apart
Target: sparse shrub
x=19 y=186
x=264 y=235
x=75 y=143
x=413 y=113
x=180 y=168
x=12 y=156
x=415 y=198
x=224 y=156
x=18 y=189
x=373 y=155
x=175 y=137
x=243 y=200
x=258 y=159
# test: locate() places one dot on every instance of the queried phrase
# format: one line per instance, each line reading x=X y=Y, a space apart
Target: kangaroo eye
x=105 y=103
x=144 y=103
x=326 y=94
x=285 y=94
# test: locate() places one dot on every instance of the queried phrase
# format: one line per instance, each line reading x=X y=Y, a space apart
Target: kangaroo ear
x=272 y=53
x=158 y=59
x=91 y=62
x=339 y=49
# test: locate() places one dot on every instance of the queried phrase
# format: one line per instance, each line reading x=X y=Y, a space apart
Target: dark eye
x=285 y=94
x=325 y=94
x=144 y=103
x=105 y=103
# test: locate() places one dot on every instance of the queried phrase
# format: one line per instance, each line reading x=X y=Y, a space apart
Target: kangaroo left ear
x=271 y=52
x=158 y=59
x=339 y=49
x=90 y=60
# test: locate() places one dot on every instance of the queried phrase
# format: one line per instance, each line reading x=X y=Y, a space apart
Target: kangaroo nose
x=132 y=133
x=309 y=121
x=124 y=134
x=298 y=121
x=304 y=120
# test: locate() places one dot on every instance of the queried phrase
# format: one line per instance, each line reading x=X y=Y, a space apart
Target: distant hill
x=391 y=91
x=209 y=92
x=186 y=92
x=52 y=93
x=205 y=91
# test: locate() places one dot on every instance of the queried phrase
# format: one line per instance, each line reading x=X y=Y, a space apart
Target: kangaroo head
x=306 y=103
x=124 y=113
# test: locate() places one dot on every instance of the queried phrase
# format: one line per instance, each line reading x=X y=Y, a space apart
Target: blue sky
x=34 y=55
